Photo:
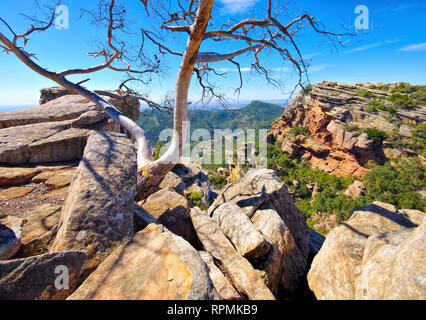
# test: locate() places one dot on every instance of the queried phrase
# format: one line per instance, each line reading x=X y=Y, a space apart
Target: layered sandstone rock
x=50 y=276
x=129 y=107
x=10 y=236
x=248 y=241
x=155 y=264
x=378 y=253
x=57 y=130
x=329 y=111
x=97 y=215
x=195 y=181
x=241 y=273
x=262 y=189
x=221 y=283
x=38 y=229
x=172 y=210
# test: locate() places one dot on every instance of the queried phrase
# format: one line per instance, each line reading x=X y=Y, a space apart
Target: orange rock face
x=326 y=112
x=340 y=164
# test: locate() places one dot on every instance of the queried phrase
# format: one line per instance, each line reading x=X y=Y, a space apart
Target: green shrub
x=397 y=183
x=420 y=131
x=404 y=88
x=196 y=199
x=375 y=105
x=420 y=94
x=383 y=87
x=365 y=94
x=217 y=180
x=401 y=101
x=375 y=134
x=158 y=147
x=296 y=131
x=307 y=90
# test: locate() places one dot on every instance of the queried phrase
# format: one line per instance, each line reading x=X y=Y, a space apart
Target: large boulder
x=355 y=190
x=97 y=215
x=38 y=229
x=363 y=257
x=235 y=224
x=58 y=129
x=221 y=283
x=172 y=210
x=240 y=272
x=155 y=264
x=50 y=276
x=62 y=109
x=51 y=141
x=262 y=187
x=393 y=266
x=275 y=231
x=130 y=106
x=194 y=180
x=10 y=236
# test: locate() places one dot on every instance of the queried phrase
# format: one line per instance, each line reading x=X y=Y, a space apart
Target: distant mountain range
x=255 y=115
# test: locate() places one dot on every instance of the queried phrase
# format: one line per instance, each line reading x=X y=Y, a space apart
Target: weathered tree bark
x=150 y=175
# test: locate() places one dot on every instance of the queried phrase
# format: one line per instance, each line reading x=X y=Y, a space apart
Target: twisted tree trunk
x=151 y=174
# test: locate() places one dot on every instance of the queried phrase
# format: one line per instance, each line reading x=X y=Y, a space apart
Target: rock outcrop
x=221 y=283
x=172 y=210
x=97 y=215
x=333 y=116
x=10 y=236
x=195 y=181
x=129 y=106
x=241 y=273
x=38 y=229
x=235 y=224
x=264 y=198
x=50 y=276
x=155 y=264
x=378 y=253
x=55 y=131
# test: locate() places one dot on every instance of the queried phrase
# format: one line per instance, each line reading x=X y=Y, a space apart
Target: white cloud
x=406 y=6
x=248 y=69
x=366 y=47
x=320 y=67
x=373 y=45
x=238 y=6
x=415 y=47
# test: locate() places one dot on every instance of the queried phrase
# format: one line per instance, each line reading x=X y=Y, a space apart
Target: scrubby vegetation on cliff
x=397 y=182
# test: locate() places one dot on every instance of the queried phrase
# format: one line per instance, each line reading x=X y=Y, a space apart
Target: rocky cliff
x=377 y=254
x=339 y=127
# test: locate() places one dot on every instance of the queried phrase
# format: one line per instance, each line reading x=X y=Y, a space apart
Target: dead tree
x=194 y=19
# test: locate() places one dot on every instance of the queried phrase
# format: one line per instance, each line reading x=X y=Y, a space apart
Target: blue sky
x=394 y=49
